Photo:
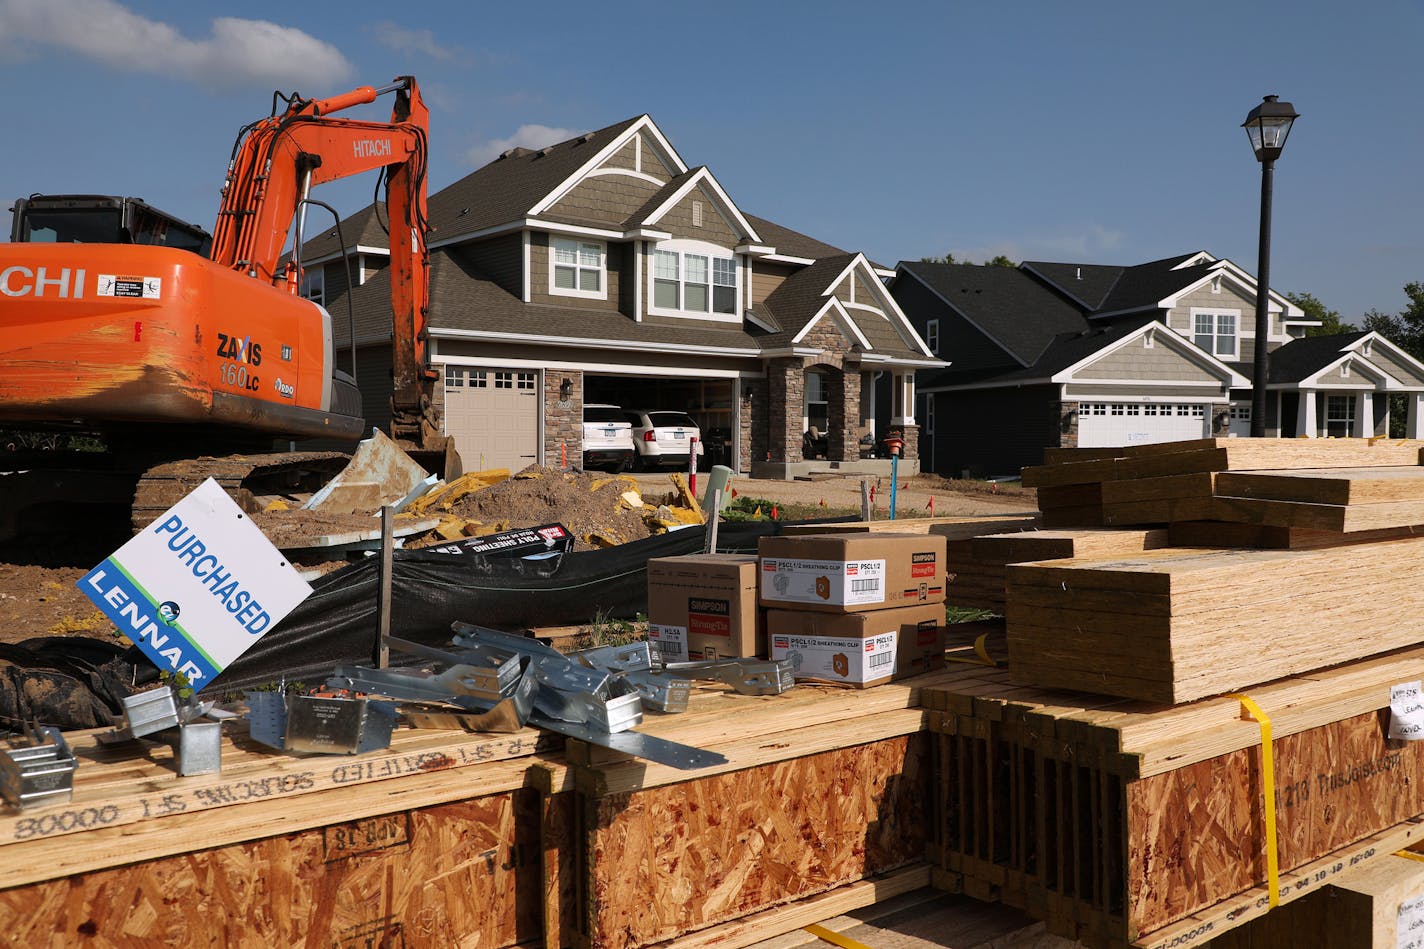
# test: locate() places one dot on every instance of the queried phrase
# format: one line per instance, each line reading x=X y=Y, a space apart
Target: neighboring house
x=1082 y=355
x=605 y=269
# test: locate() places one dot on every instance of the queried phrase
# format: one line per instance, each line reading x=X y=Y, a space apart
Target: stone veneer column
x=1068 y=425
x=753 y=409
x=912 y=441
x=786 y=385
x=843 y=410
x=563 y=421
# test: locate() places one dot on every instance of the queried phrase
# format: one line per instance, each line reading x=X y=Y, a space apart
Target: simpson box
x=703 y=606
x=859 y=649
x=848 y=573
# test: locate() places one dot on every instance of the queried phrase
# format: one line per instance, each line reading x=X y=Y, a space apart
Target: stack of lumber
x=489 y=841
x=1333 y=484
x=1177 y=624
x=1121 y=822
x=977 y=564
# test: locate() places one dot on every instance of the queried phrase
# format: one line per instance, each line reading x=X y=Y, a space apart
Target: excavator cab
x=102 y=219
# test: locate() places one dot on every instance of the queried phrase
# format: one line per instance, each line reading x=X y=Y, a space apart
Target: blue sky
x=1087 y=132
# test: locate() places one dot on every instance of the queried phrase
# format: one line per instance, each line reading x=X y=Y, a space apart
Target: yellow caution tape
x=1268 y=776
x=834 y=938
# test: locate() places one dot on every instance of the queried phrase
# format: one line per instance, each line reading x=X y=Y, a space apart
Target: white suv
x=607 y=438
x=662 y=438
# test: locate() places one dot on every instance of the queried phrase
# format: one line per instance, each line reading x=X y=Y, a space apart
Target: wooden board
x=667 y=861
x=1035 y=806
x=464 y=873
x=1220 y=534
x=1226 y=454
x=1327 y=485
x=1174 y=624
x=947 y=526
x=1327 y=517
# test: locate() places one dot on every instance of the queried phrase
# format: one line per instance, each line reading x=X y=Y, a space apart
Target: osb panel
x=1197 y=834
x=673 y=859
x=463 y=874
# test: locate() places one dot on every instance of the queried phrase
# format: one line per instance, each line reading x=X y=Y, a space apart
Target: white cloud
x=411 y=42
x=1087 y=245
x=527 y=136
x=238 y=52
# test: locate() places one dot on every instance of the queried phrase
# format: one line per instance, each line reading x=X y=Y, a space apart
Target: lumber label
x=354 y=838
x=280 y=776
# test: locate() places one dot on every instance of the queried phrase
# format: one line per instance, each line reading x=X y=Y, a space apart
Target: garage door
x=493 y=415
x=1114 y=424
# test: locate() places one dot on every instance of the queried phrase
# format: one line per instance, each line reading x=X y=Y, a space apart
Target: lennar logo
x=285 y=390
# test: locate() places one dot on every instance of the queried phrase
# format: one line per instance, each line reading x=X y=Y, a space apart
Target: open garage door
x=708 y=401
x=493 y=415
x=1114 y=424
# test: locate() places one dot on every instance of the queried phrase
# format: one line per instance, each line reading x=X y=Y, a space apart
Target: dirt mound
x=588 y=505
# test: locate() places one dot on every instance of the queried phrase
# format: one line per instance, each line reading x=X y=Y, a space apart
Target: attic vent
x=517 y=151
x=463 y=212
x=1079 y=274
x=1216 y=284
x=545 y=150
x=586 y=136
x=697 y=214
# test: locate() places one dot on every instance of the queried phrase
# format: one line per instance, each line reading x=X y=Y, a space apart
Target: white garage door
x=493 y=415
x=1114 y=424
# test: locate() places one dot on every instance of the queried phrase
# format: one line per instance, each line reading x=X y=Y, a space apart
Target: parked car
x=607 y=438
x=662 y=438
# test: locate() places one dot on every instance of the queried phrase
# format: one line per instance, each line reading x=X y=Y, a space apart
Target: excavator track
x=243 y=477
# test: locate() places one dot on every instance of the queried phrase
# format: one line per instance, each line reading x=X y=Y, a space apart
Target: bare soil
x=45 y=601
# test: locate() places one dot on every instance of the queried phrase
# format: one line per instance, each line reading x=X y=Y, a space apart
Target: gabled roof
x=801 y=297
x=789 y=243
x=1143 y=286
x=1087 y=285
x=507 y=188
x=1015 y=311
x=1302 y=358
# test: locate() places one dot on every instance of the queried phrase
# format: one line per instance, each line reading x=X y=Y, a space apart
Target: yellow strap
x=981 y=650
x=1268 y=775
x=1410 y=854
x=835 y=938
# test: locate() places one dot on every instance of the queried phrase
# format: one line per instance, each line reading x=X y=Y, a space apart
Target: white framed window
x=932 y=336
x=1215 y=332
x=459 y=377
x=694 y=279
x=929 y=414
x=578 y=268
x=314 y=285
x=1339 y=415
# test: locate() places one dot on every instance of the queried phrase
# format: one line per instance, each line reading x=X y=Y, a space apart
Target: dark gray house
x=1085 y=355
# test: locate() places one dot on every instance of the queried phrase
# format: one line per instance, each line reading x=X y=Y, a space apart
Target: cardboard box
x=704 y=606
x=858 y=649
x=848 y=573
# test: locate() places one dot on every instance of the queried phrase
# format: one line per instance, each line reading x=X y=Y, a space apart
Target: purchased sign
x=197 y=587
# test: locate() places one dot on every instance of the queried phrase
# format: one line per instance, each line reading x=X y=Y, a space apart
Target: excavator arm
x=277 y=162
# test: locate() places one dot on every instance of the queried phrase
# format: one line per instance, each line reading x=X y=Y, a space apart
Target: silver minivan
x=607 y=438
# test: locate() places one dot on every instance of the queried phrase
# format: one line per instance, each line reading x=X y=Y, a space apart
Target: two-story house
x=1086 y=355
x=604 y=269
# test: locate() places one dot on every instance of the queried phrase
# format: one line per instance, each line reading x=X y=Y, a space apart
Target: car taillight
x=648 y=436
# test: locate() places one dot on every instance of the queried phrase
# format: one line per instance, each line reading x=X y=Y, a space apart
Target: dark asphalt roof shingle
x=1016 y=311
x=1301 y=358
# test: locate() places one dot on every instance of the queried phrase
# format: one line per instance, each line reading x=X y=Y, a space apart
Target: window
x=314 y=285
x=577 y=268
x=1339 y=415
x=929 y=414
x=459 y=377
x=1215 y=332
x=694 y=282
x=932 y=336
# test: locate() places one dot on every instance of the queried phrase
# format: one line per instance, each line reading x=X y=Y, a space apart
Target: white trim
x=1200 y=257
x=626 y=173
x=1144 y=383
x=602 y=292
x=865 y=308
x=647 y=234
x=684 y=247
x=883 y=360
x=589 y=343
x=755 y=250
x=750 y=316
x=530 y=224
x=1184 y=347
x=788 y=259
x=1347 y=360
x=1215 y=312
x=643 y=124
x=704 y=175
x=638 y=248
x=1395 y=352
x=610 y=368
x=1151 y=400
x=337 y=255
x=889 y=306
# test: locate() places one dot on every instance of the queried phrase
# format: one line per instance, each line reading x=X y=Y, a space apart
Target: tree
x=943 y=259
x=1330 y=323
x=1000 y=261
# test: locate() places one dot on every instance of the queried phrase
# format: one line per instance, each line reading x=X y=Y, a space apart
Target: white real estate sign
x=197 y=587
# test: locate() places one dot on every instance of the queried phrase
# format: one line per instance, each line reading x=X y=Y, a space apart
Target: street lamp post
x=1267 y=126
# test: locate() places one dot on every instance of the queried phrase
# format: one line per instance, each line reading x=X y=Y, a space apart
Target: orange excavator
x=112 y=325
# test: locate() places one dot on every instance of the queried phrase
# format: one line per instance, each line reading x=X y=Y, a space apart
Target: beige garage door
x=493 y=415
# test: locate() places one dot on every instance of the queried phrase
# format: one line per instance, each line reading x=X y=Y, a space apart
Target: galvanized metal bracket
x=40 y=772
